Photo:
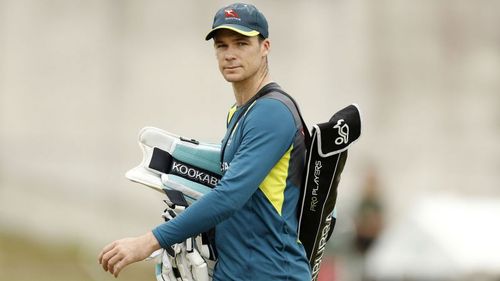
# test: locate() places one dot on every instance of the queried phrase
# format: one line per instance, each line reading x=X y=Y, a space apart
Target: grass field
x=22 y=259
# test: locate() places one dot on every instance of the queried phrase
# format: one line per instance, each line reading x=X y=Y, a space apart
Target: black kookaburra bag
x=327 y=147
x=326 y=158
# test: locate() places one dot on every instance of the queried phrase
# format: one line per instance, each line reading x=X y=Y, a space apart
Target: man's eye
x=242 y=43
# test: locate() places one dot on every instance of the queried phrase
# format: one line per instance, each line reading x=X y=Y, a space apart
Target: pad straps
x=164 y=162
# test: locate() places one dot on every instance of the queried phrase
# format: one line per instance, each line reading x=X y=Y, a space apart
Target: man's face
x=239 y=56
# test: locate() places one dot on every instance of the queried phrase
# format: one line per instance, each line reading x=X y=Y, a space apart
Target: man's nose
x=229 y=54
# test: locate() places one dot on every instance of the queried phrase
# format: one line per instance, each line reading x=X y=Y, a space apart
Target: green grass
x=23 y=259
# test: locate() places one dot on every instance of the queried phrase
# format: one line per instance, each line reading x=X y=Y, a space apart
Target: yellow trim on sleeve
x=274 y=184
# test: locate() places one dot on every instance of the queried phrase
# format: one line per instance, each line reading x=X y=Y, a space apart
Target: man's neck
x=247 y=89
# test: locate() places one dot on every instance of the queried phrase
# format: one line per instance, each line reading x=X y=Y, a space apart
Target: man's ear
x=266 y=47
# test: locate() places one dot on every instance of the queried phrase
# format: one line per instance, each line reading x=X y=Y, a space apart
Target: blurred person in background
x=254 y=206
x=368 y=221
x=369 y=214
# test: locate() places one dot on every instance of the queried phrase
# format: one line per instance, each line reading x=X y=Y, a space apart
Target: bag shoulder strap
x=260 y=94
x=306 y=133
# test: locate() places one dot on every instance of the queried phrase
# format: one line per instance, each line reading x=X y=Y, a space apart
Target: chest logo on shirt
x=224 y=167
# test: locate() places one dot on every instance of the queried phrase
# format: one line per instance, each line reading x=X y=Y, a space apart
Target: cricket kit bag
x=186 y=169
x=327 y=155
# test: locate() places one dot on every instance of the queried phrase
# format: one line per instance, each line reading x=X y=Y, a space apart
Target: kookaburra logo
x=343 y=132
x=194 y=174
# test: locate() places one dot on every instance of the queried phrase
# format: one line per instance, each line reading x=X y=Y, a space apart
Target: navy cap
x=242 y=18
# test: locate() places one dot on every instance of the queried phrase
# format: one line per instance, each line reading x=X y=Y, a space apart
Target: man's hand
x=120 y=253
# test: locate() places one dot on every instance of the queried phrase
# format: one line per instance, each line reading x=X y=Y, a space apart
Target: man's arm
x=268 y=132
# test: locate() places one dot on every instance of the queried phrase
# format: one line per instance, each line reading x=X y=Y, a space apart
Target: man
x=254 y=207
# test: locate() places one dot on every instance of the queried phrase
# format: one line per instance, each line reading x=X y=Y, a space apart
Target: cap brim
x=234 y=27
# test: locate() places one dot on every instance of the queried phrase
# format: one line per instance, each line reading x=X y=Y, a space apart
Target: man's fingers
x=113 y=261
x=105 y=250
x=117 y=255
x=119 y=266
x=107 y=256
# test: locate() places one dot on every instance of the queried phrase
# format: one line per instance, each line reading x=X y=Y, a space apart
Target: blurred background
x=420 y=195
